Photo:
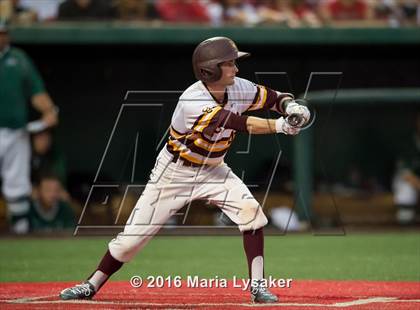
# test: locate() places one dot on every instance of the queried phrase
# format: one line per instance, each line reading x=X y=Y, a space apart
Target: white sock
x=257 y=268
x=98 y=279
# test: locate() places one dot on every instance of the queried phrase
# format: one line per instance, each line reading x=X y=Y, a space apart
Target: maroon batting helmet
x=209 y=54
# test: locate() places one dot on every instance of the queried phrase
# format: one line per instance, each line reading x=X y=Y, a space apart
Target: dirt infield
x=302 y=294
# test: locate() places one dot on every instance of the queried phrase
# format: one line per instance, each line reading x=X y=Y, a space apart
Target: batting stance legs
x=171 y=187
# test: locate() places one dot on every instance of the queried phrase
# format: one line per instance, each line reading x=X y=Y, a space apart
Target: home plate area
x=303 y=294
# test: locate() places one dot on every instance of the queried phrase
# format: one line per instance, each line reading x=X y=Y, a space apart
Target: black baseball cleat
x=260 y=293
x=80 y=291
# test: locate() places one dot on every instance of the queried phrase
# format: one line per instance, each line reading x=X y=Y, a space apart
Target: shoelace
x=259 y=289
x=262 y=289
x=81 y=289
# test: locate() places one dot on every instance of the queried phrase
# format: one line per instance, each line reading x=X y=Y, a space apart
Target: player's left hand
x=300 y=110
x=282 y=126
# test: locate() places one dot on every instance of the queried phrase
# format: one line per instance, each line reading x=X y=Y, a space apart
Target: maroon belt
x=186 y=162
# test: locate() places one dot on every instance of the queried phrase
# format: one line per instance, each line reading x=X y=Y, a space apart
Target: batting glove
x=282 y=126
x=301 y=110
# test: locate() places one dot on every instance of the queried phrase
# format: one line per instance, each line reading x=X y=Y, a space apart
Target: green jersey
x=410 y=156
x=19 y=81
x=60 y=217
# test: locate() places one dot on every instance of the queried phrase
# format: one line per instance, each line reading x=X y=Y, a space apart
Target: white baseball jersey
x=203 y=129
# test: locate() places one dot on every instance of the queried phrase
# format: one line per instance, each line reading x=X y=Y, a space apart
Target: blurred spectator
x=241 y=12
x=132 y=9
x=306 y=13
x=406 y=184
x=46 y=157
x=49 y=211
x=46 y=10
x=80 y=10
x=215 y=11
x=12 y=11
x=277 y=12
x=385 y=10
x=338 y=12
x=20 y=83
x=407 y=12
x=293 y=13
x=183 y=11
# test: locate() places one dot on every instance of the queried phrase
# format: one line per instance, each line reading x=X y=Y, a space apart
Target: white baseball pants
x=15 y=153
x=172 y=186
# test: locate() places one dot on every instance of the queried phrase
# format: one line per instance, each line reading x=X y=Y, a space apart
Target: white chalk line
x=26 y=299
x=364 y=301
x=148 y=304
x=36 y=300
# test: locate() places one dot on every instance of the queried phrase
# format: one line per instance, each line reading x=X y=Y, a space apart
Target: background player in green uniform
x=49 y=211
x=20 y=83
x=406 y=185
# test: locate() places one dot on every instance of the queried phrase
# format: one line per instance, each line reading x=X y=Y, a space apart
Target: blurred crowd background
x=287 y=13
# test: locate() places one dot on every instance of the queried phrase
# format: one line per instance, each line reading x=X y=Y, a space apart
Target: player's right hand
x=282 y=126
x=294 y=108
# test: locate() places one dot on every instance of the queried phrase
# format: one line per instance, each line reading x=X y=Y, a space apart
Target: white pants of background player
x=405 y=198
x=171 y=187
x=15 y=174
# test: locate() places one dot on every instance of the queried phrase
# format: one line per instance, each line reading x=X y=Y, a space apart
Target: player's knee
x=251 y=216
x=124 y=248
x=249 y=210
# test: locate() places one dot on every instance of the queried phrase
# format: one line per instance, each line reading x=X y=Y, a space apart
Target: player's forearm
x=44 y=104
x=413 y=179
x=260 y=126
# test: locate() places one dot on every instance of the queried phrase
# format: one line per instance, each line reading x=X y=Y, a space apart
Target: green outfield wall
x=150 y=33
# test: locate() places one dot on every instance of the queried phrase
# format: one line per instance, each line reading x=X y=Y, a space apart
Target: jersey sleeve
x=207 y=119
x=253 y=97
x=269 y=99
x=33 y=80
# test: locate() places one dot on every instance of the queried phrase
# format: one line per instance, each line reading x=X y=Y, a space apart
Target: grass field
x=380 y=272
x=381 y=257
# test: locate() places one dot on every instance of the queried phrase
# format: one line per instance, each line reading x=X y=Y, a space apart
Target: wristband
x=279 y=125
x=36 y=126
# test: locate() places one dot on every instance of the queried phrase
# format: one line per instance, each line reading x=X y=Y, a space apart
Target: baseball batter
x=191 y=165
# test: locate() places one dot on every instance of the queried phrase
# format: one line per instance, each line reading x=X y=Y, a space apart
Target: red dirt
x=303 y=294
